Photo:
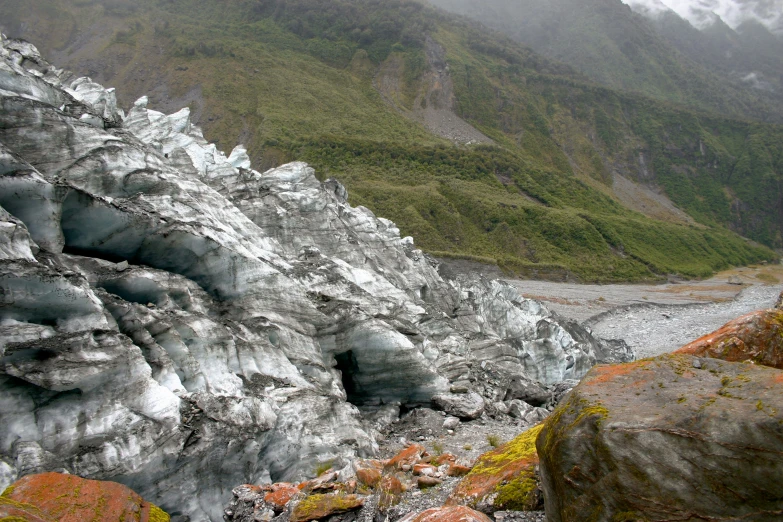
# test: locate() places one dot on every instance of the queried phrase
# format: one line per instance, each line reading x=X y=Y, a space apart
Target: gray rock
x=451 y=423
x=655 y=440
x=527 y=390
x=465 y=406
x=519 y=409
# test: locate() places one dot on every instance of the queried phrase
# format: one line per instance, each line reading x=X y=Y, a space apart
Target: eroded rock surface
x=671 y=438
x=51 y=497
x=173 y=320
x=756 y=337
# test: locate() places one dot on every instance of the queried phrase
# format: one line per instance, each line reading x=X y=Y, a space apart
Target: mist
x=703 y=13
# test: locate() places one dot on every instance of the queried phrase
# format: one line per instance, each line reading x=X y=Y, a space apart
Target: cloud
x=702 y=13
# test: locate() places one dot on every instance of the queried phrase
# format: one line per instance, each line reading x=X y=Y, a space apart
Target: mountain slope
x=608 y=42
x=300 y=80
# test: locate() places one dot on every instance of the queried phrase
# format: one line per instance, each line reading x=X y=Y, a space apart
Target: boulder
x=660 y=439
x=527 y=390
x=317 y=507
x=406 y=457
x=756 y=337
x=447 y=514
x=68 y=498
x=370 y=477
x=390 y=490
x=277 y=496
x=451 y=423
x=504 y=478
x=465 y=406
x=427 y=482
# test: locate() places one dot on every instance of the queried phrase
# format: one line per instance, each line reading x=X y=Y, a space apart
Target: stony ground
x=468 y=441
x=654 y=319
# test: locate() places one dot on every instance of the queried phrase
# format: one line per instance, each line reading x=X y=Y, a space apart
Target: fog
x=702 y=13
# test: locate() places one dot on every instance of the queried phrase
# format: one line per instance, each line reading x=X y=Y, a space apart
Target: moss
x=8 y=491
x=6 y=501
x=13 y=519
x=323 y=467
x=335 y=503
x=520 y=494
x=521 y=448
x=158 y=515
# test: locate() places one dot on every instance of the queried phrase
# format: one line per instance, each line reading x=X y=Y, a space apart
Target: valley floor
x=655 y=319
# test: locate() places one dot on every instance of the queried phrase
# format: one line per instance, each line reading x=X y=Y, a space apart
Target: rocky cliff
x=176 y=321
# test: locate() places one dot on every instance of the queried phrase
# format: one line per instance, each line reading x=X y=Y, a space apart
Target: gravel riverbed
x=655 y=319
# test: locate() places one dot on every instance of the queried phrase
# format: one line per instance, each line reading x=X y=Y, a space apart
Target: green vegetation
x=294 y=80
x=666 y=59
x=493 y=440
x=323 y=467
x=158 y=515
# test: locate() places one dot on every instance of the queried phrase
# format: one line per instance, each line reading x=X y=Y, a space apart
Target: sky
x=700 y=12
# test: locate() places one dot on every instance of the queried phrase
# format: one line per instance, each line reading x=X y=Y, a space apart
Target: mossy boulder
x=669 y=438
x=756 y=337
x=505 y=478
x=316 y=507
x=59 y=497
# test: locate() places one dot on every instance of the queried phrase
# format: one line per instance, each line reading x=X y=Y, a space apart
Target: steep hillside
x=572 y=178
x=614 y=46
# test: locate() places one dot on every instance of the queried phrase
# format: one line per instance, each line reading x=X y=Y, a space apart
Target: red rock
x=448 y=514
x=409 y=456
x=443 y=459
x=19 y=511
x=68 y=498
x=279 y=495
x=458 y=470
x=427 y=482
x=368 y=476
x=756 y=337
x=424 y=469
x=316 y=507
x=504 y=478
x=324 y=482
x=391 y=488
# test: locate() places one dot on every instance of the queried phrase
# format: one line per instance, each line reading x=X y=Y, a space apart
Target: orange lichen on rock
x=756 y=337
x=316 y=507
x=368 y=476
x=458 y=470
x=608 y=372
x=443 y=459
x=424 y=469
x=13 y=510
x=280 y=494
x=407 y=457
x=68 y=498
x=390 y=490
x=504 y=478
x=448 y=514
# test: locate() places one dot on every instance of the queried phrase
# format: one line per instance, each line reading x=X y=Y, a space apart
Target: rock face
x=756 y=337
x=175 y=321
x=671 y=438
x=65 y=498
